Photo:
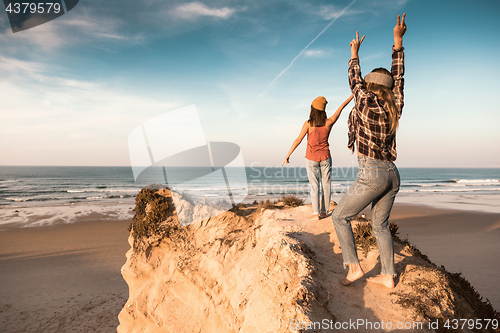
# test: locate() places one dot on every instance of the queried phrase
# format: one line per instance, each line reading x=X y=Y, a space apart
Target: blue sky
x=73 y=89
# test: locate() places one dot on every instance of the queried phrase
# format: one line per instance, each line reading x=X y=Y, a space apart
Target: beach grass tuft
x=263 y=205
x=292 y=201
x=364 y=237
x=150 y=209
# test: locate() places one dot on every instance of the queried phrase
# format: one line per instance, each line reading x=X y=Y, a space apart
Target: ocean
x=45 y=186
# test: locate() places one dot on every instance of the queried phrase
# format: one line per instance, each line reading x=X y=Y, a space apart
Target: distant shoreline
x=53 y=213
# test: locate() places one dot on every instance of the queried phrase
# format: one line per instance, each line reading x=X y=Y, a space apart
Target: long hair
x=317 y=118
x=387 y=95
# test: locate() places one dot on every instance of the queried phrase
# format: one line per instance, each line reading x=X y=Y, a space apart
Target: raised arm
x=333 y=119
x=355 y=44
x=296 y=143
x=356 y=82
x=398 y=68
x=399 y=31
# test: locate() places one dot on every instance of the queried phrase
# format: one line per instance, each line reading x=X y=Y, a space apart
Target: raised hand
x=399 y=31
x=355 y=44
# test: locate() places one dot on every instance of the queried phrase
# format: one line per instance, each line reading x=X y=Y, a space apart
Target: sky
x=74 y=89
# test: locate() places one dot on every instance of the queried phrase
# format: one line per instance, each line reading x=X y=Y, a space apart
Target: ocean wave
x=18 y=199
x=478 y=181
x=207 y=189
x=43 y=199
x=463 y=183
x=277 y=187
x=423 y=185
x=452 y=190
x=33 y=199
x=223 y=190
x=100 y=191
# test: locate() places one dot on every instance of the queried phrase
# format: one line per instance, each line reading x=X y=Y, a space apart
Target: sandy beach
x=63 y=278
x=462 y=241
x=66 y=277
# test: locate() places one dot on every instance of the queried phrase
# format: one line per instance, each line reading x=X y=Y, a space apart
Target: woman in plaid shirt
x=372 y=128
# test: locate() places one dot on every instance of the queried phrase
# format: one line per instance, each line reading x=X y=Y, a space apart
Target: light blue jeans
x=320 y=199
x=377 y=183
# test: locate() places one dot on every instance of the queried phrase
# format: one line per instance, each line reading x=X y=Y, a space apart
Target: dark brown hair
x=387 y=95
x=317 y=118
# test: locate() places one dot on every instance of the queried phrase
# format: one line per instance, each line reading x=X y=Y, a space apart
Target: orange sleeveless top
x=317 y=144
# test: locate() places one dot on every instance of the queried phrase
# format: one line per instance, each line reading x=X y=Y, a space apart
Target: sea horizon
x=246 y=166
x=43 y=190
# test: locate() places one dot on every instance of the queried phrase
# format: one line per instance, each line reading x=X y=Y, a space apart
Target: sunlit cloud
x=194 y=10
x=330 y=12
x=78 y=28
x=45 y=37
x=15 y=65
x=110 y=29
x=65 y=117
x=317 y=53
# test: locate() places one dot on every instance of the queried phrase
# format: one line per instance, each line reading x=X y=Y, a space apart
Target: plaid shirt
x=368 y=121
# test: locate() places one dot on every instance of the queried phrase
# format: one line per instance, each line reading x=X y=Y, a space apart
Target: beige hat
x=319 y=103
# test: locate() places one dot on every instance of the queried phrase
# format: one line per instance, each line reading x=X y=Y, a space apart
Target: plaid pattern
x=368 y=122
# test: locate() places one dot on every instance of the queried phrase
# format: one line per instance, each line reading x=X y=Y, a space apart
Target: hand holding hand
x=355 y=44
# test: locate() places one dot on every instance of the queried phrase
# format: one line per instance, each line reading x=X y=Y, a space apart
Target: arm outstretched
x=333 y=119
x=296 y=143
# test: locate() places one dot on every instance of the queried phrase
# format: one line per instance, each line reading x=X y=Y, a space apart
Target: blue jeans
x=377 y=183
x=315 y=170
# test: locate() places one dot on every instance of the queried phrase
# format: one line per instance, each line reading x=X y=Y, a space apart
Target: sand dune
x=256 y=270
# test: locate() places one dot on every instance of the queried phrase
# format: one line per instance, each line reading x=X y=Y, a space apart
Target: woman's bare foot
x=355 y=272
x=384 y=279
x=314 y=218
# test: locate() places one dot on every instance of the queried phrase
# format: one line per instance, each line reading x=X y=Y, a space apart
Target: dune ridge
x=253 y=269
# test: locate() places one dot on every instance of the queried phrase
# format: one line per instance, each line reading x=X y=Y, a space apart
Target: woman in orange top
x=318 y=159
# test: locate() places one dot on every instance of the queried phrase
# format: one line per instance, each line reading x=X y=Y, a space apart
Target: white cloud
x=330 y=12
x=194 y=10
x=373 y=56
x=15 y=65
x=92 y=26
x=48 y=119
x=318 y=53
x=45 y=37
x=77 y=28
